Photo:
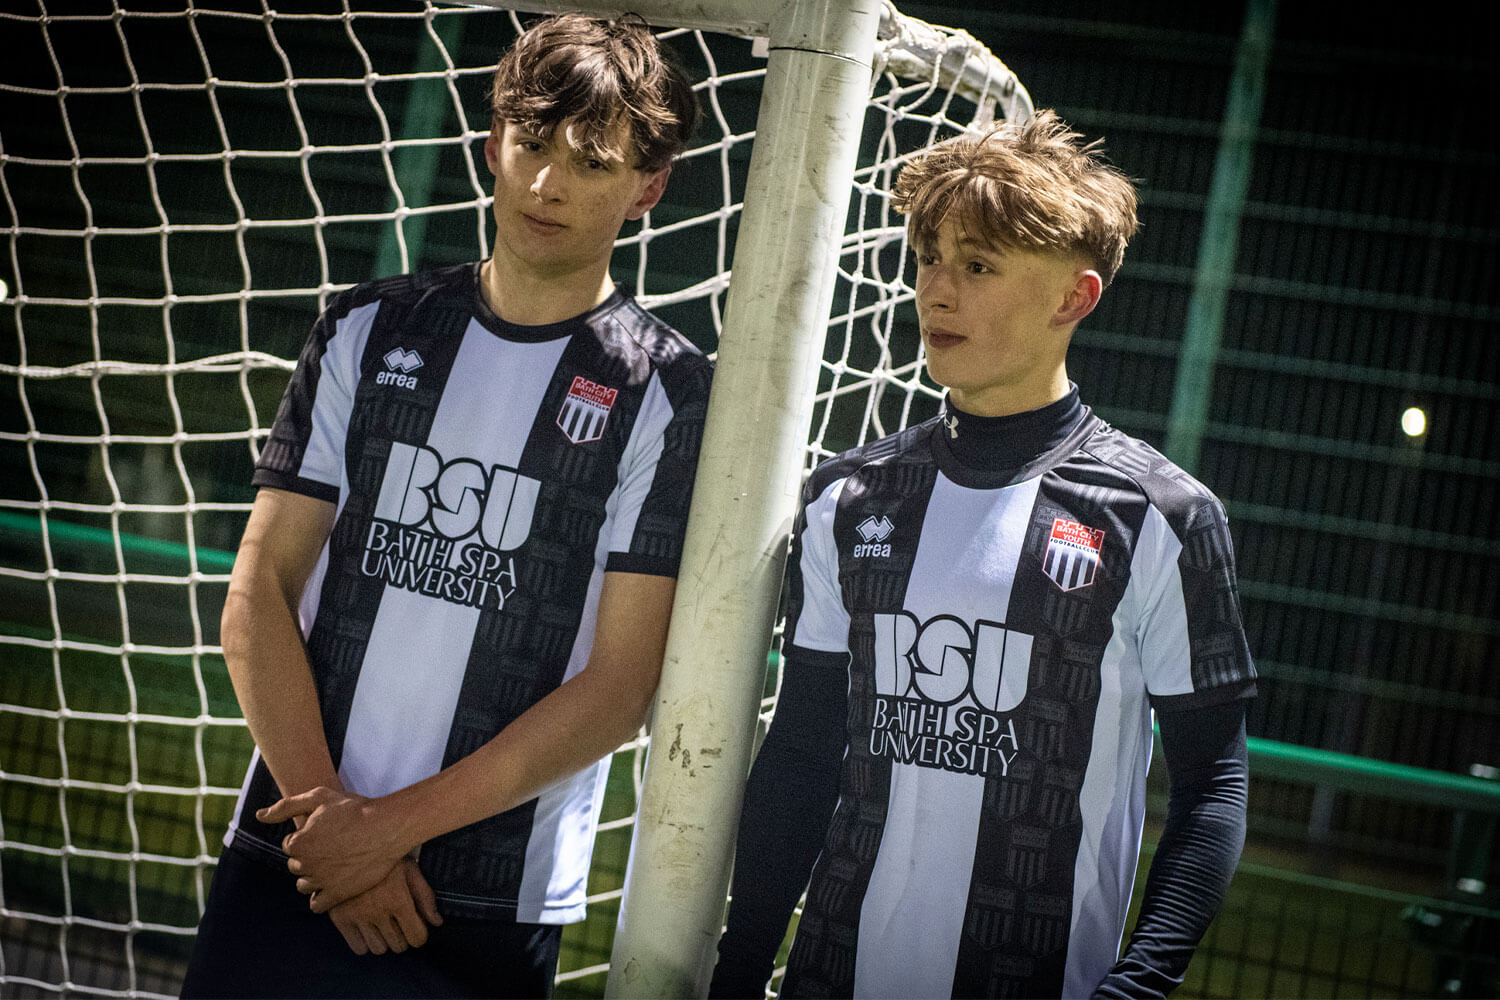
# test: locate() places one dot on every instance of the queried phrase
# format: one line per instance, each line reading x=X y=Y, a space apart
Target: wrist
x=393 y=823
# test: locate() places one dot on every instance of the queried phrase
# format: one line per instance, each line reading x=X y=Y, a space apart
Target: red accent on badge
x=1072 y=556
x=585 y=410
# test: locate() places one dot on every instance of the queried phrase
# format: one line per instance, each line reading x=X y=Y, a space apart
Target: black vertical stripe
x=1019 y=907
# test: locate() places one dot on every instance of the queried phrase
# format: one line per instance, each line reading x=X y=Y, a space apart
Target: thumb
x=422 y=894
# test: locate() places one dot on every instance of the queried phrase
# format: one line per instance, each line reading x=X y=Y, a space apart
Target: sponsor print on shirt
x=586 y=410
x=446 y=528
x=945 y=690
x=1072 y=556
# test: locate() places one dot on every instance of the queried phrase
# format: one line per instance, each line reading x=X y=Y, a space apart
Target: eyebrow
x=605 y=154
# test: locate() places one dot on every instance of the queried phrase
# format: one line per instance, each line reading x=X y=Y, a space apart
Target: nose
x=547 y=185
x=934 y=287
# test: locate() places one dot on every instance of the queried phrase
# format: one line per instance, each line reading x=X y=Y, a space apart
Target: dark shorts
x=257 y=938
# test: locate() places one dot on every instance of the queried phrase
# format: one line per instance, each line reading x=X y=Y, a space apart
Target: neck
x=526 y=297
x=1004 y=401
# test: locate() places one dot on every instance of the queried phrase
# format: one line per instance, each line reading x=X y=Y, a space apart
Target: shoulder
x=454 y=284
x=1180 y=498
x=645 y=339
x=894 y=451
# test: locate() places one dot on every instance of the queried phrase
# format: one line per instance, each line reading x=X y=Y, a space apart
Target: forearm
x=345 y=837
x=571 y=728
x=262 y=643
x=272 y=679
x=1195 y=858
x=781 y=830
x=789 y=800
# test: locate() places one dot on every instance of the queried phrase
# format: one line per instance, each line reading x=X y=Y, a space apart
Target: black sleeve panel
x=789 y=800
x=1208 y=766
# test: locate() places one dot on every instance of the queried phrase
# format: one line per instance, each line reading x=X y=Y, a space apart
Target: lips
x=540 y=224
x=938 y=339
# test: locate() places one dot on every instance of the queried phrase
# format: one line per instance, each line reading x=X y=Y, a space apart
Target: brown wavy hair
x=593 y=72
x=1038 y=187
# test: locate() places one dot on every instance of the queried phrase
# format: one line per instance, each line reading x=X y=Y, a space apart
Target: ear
x=492 y=145
x=651 y=193
x=1080 y=299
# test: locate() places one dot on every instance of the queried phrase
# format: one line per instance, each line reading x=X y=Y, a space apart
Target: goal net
x=183 y=189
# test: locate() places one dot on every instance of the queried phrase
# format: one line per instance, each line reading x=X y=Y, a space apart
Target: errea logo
x=874 y=532
x=400 y=363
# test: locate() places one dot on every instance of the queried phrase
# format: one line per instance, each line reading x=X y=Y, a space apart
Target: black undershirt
x=793 y=785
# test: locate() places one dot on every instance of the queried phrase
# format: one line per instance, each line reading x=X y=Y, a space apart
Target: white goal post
x=162 y=214
x=821 y=61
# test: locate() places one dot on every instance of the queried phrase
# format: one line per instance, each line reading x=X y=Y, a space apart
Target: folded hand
x=340 y=849
x=391 y=916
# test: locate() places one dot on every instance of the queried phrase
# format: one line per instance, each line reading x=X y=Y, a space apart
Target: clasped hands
x=348 y=865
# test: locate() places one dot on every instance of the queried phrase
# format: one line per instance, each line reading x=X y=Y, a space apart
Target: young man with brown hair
x=452 y=595
x=985 y=610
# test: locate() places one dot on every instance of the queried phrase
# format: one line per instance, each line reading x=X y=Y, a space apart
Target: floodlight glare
x=1414 y=422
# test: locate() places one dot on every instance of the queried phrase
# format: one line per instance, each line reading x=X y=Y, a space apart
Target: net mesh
x=188 y=188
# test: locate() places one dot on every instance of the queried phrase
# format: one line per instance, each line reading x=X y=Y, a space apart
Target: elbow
x=251 y=609
x=235 y=629
x=638 y=714
x=626 y=711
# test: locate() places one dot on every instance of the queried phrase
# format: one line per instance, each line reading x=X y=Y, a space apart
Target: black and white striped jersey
x=1006 y=635
x=486 y=476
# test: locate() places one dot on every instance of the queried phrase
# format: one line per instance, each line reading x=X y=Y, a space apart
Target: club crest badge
x=585 y=410
x=1072 y=556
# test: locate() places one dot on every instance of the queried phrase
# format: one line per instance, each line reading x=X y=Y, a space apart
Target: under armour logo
x=399 y=359
x=950 y=421
x=872 y=530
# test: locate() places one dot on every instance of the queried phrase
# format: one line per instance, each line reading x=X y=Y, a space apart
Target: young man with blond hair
x=451 y=598
x=984 y=612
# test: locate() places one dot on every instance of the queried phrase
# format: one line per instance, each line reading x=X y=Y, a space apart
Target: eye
x=926 y=259
x=595 y=164
x=977 y=267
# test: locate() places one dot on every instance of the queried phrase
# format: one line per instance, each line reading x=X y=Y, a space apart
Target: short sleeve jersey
x=485 y=477
x=1006 y=638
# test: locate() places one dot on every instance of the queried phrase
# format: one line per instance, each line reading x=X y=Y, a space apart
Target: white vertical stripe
x=403 y=704
x=414 y=664
x=638 y=463
x=567 y=811
x=1162 y=623
x=239 y=803
x=332 y=411
x=824 y=621
x=1111 y=803
x=911 y=921
x=333 y=399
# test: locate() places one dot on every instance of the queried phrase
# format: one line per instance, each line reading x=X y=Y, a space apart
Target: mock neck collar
x=992 y=447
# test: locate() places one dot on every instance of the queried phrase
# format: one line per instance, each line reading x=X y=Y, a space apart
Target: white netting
x=184 y=188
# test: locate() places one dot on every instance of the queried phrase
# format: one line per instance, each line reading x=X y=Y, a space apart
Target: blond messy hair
x=1037 y=187
x=593 y=73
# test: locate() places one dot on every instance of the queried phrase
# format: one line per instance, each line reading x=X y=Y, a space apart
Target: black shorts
x=257 y=938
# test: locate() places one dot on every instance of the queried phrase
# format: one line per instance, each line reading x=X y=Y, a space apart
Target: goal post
x=818 y=72
x=182 y=188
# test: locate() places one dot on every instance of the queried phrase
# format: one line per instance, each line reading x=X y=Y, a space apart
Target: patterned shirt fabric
x=1007 y=632
x=485 y=477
